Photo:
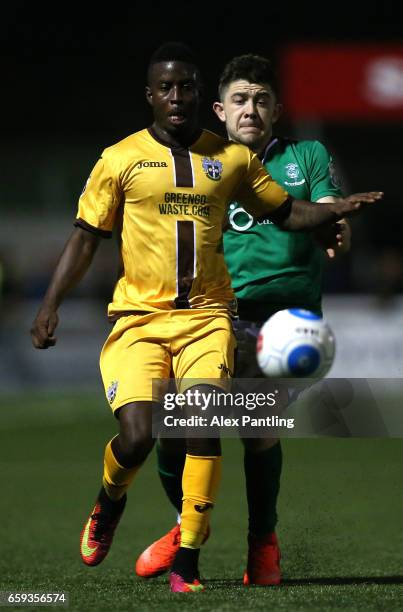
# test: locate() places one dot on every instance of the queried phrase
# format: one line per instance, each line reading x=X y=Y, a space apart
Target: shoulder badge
x=112 y=390
x=334 y=177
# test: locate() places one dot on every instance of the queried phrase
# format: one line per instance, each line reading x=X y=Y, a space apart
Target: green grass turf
x=341 y=511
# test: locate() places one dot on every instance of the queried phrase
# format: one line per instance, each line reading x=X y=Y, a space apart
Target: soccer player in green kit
x=271 y=270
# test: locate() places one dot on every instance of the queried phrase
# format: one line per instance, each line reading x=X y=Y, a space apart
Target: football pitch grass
x=340 y=529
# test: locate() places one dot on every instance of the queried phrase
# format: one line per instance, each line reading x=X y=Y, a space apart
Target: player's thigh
x=246 y=333
x=209 y=355
x=249 y=377
x=128 y=367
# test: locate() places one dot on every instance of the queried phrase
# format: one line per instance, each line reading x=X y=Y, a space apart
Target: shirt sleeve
x=258 y=192
x=322 y=173
x=99 y=202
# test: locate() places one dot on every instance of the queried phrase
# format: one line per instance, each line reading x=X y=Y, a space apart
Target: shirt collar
x=271 y=144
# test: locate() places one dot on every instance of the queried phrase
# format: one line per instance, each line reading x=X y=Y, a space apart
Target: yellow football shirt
x=169 y=205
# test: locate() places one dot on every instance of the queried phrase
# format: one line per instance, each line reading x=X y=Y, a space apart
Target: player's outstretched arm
x=303 y=215
x=73 y=263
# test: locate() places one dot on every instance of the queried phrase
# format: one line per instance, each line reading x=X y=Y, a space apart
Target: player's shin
x=116 y=478
x=171 y=461
x=263 y=472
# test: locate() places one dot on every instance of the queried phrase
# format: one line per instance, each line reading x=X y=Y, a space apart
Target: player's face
x=174 y=94
x=249 y=111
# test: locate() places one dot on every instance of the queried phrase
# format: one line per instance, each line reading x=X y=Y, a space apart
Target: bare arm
x=304 y=215
x=73 y=264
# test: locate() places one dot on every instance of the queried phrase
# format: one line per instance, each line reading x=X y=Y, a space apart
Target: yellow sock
x=201 y=476
x=116 y=479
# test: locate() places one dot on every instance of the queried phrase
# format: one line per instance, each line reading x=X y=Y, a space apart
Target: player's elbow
x=284 y=216
x=87 y=241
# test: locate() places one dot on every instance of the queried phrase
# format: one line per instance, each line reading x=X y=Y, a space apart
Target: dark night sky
x=81 y=69
x=73 y=81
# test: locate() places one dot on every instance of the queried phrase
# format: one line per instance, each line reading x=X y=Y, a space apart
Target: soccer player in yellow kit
x=167 y=188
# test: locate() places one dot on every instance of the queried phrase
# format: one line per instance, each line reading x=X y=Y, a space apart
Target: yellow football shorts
x=184 y=344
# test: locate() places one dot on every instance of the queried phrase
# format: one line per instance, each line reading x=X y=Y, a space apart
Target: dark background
x=73 y=79
x=79 y=71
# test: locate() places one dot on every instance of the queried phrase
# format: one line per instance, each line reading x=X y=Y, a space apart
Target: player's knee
x=200 y=447
x=135 y=436
x=175 y=446
x=134 y=449
x=257 y=445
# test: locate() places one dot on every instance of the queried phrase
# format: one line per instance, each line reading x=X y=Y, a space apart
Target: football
x=295 y=343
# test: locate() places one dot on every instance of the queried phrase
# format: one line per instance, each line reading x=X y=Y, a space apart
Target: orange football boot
x=159 y=556
x=263 y=561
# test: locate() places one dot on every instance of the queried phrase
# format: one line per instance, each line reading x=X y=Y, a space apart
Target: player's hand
x=43 y=328
x=334 y=239
x=352 y=204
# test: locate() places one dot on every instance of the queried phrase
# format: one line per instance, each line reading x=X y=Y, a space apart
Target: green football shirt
x=272 y=269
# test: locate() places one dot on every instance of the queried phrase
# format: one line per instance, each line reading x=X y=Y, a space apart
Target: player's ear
x=278 y=111
x=218 y=108
x=149 y=95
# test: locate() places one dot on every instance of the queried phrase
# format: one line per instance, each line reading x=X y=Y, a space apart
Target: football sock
x=186 y=563
x=108 y=505
x=263 y=471
x=170 y=469
x=201 y=476
x=116 y=479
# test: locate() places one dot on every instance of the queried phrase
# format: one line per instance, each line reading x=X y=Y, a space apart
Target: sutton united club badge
x=212 y=168
x=112 y=390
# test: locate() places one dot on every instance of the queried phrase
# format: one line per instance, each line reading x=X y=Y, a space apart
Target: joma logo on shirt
x=224 y=368
x=151 y=164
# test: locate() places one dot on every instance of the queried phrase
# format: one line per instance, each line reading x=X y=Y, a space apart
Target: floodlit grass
x=341 y=514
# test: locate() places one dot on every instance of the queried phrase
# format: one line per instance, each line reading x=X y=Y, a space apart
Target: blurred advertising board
x=343 y=82
x=369 y=336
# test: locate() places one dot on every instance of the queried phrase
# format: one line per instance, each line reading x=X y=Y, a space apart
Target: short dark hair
x=170 y=52
x=251 y=68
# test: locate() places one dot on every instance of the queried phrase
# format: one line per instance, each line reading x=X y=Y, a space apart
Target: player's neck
x=179 y=139
x=261 y=149
x=263 y=152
